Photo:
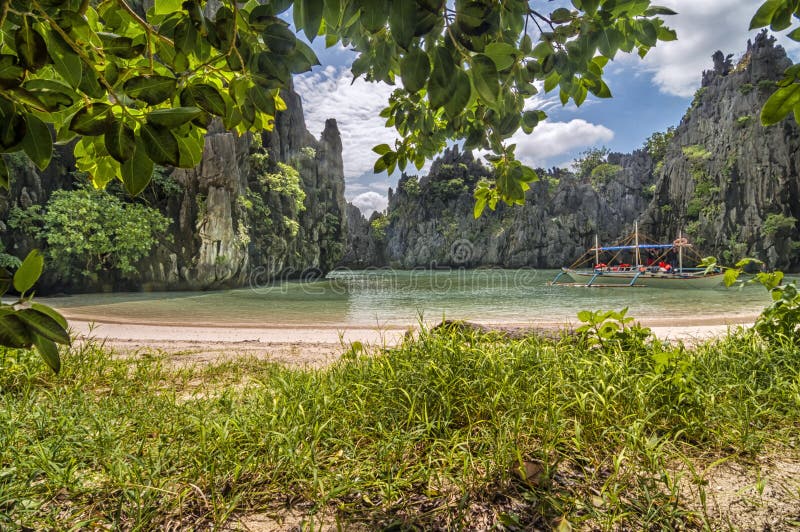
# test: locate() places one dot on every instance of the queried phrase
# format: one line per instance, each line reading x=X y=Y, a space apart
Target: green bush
x=286 y=181
x=696 y=153
x=604 y=172
x=378 y=227
x=778 y=224
x=88 y=230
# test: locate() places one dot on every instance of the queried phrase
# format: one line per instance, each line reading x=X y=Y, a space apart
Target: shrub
x=696 y=153
x=286 y=181
x=378 y=227
x=746 y=88
x=778 y=224
x=88 y=230
x=604 y=172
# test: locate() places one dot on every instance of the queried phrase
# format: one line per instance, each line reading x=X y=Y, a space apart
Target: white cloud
x=331 y=93
x=556 y=139
x=370 y=201
x=703 y=27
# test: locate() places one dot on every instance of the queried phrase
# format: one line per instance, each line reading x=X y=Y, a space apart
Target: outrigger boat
x=655 y=273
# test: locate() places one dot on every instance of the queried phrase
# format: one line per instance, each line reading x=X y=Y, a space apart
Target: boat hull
x=644 y=279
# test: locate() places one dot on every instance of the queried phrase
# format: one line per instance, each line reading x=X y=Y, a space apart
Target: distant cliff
x=730 y=184
x=429 y=222
x=253 y=209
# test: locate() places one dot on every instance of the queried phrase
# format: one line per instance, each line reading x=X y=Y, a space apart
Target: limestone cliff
x=727 y=181
x=429 y=222
x=255 y=208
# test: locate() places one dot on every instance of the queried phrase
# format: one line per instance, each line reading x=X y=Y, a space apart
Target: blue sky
x=649 y=95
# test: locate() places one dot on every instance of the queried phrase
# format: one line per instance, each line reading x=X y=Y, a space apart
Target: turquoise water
x=386 y=298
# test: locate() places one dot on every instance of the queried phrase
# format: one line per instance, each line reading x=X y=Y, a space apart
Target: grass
x=454 y=429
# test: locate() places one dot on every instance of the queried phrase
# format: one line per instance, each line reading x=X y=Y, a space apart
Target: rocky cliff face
x=429 y=222
x=254 y=209
x=726 y=180
x=728 y=183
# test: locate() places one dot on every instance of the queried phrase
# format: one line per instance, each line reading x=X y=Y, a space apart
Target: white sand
x=313 y=346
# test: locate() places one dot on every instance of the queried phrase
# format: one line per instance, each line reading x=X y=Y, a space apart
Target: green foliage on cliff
x=604 y=172
x=378 y=227
x=778 y=224
x=286 y=183
x=589 y=160
x=87 y=231
x=656 y=144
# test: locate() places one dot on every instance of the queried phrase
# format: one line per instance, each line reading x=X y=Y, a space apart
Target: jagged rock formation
x=430 y=222
x=726 y=180
x=252 y=210
x=728 y=183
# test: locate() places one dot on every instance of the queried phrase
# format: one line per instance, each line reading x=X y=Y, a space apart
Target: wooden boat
x=655 y=274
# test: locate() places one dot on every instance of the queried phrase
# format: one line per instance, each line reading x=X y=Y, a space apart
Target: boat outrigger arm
x=660 y=270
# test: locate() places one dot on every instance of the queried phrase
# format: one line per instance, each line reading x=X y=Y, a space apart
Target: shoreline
x=304 y=345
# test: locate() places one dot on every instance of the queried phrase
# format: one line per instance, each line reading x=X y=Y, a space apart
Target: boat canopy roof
x=640 y=246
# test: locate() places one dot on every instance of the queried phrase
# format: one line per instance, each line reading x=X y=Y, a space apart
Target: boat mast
x=680 y=250
x=596 y=250
x=638 y=254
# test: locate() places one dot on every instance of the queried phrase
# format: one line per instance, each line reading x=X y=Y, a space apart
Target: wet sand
x=316 y=346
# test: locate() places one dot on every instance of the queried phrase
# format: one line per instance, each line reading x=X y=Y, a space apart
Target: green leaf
x=160 y=144
x=174 y=117
x=90 y=82
x=374 y=14
x=530 y=119
x=191 y=148
x=402 y=22
x=480 y=205
x=204 y=96
x=151 y=89
x=310 y=15
x=48 y=351
x=485 y=78
x=440 y=83
x=30 y=45
x=460 y=94
x=561 y=15
x=167 y=7
x=415 y=68
x=280 y=39
x=780 y=104
x=66 y=62
x=730 y=277
x=764 y=14
x=53 y=94
x=503 y=54
x=609 y=42
x=11 y=73
x=94 y=119
x=120 y=46
x=120 y=141
x=659 y=10
x=28 y=272
x=44 y=309
x=38 y=142
x=43 y=325
x=137 y=171
x=13 y=332
x=263 y=99
x=382 y=149
x=12 y=131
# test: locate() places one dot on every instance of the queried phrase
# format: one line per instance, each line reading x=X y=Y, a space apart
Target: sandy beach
x=316 y=346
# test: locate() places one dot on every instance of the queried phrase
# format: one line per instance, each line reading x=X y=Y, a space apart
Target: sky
x=649 y=95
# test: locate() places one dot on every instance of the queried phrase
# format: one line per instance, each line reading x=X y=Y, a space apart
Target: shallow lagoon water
x=400 y=297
